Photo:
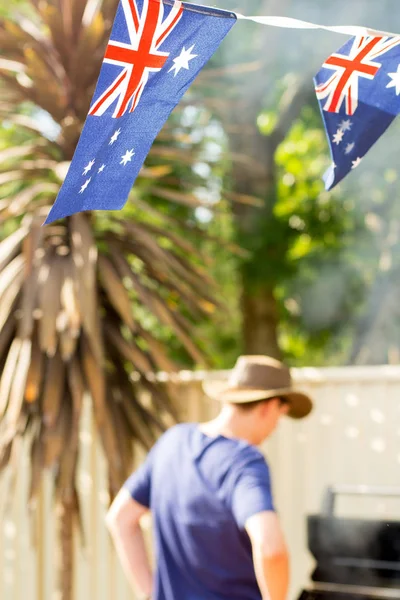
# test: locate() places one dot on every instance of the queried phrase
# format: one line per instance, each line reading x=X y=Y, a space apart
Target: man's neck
x=229 y=424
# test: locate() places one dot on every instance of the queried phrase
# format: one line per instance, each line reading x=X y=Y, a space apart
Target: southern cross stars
x=355 y=163
x=338 y=137
x=127 y=157
x=88 y=167
x=349 y=148
x=114 y=137
x=395 y=77
x=346 y=125
x=83 y=188
x=182 y=61
x=101 y=169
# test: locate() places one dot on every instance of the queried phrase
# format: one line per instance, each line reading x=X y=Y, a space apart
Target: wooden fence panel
x=352 y=437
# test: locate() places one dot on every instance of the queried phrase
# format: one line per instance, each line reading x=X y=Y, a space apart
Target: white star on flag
x=83 y=188
x=338 y=137
x=395 y=77
x=182 y=61
x=114 y=137
x=346 y=125
x=349 y=148
x=127 y=157
x=101 y=168
x=355 y=163
x=88 y=167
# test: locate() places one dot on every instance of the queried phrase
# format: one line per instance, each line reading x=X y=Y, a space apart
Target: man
x=216 y=533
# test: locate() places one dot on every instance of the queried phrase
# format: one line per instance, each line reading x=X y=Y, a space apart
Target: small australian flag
x=358 y=89
x=156 y=49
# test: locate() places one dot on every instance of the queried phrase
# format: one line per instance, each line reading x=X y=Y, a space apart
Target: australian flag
x=358 y=89
x=156 y=49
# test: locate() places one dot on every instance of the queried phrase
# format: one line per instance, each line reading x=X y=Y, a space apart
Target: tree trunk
x=254 y=174
x=258 y=275
x=260 y=321
x=65 y=550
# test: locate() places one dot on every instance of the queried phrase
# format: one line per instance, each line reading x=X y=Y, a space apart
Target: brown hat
x=258 y=378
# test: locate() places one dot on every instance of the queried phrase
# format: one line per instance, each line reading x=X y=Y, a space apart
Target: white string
x=289 y=23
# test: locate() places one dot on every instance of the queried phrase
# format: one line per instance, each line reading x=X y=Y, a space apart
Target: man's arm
x=270 y=556
x=123 y=522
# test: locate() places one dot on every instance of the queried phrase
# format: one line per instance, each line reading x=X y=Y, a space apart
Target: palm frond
x=79 y=300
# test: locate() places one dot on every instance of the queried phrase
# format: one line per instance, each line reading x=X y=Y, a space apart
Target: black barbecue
x=357 y=559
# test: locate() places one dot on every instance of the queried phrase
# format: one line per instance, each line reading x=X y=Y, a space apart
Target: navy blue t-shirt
x=201 y=491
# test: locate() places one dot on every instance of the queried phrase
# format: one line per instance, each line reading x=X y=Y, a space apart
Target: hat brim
x=300 y=405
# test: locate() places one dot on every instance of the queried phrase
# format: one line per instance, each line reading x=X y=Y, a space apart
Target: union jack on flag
x=358 y=89
x=156 y=49
x=139 y=57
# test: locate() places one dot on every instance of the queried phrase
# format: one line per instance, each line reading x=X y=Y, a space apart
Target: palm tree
x=76 y=297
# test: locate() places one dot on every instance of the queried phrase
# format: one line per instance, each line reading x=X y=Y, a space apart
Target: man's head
x=259 y=418
x=258 y=392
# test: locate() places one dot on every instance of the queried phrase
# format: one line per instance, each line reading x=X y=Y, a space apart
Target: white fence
x=352 y=437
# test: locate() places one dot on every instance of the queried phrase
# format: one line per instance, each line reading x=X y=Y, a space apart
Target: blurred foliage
x=318 y=285
x=324 y=251
x=332 y=259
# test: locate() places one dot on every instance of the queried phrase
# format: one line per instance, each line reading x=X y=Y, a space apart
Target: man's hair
x=249 y=406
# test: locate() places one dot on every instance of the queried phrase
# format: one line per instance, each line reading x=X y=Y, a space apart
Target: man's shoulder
x=246 y=458
x=229 y=450
x=178 y=431
x=247 y=454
